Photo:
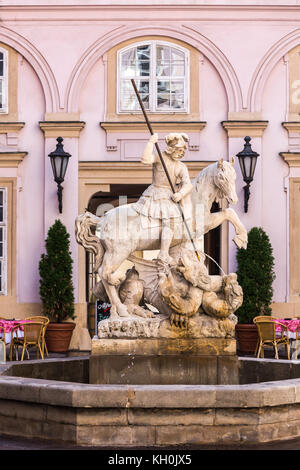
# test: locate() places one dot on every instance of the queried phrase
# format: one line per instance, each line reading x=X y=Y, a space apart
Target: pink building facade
x=217 y=70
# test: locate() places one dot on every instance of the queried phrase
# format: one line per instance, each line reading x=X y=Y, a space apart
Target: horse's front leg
x=213 y=220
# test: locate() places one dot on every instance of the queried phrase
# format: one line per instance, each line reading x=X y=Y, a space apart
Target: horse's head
x=224 y=179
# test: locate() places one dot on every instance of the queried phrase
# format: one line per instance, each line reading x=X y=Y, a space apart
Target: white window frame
x=153 y=77
x=3 y=225
x=4 y=79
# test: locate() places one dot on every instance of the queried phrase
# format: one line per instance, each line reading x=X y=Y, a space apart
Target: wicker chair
x=33 y=332
x=266 y=327
x=45 y=321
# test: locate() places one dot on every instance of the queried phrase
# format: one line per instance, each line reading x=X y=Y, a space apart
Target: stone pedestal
x=178 y=358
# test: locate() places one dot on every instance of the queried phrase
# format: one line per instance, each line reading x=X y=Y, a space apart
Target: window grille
x=161 y=74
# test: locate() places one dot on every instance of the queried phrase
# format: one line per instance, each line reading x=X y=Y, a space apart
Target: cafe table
x=293 y=325
x=8 y=326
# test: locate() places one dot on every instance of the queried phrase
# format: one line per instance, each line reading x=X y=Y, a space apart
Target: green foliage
x=55 y=268
x=255 y=276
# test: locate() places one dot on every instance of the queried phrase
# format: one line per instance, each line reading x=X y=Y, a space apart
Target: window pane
x=1 y=94
x=177 y=101
x=142 y=86
x=1 y=64
x=163 y=86
x=143 y=68
x=143 y=52
x=163 y=69
x=136 y=62
x=1 y=214
x=177 y=55
x=1 y=198
x=163 y=100
x=177 y=87
x=130 y=102
x=143 y=60
x=128 y=70
x=1 y=288
x=178 y=69
x=163 y=53
x=1 y=234
x=163 y=94
x=128 y=98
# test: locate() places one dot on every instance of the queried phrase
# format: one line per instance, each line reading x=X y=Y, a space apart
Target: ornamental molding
x=292 y=126
x=11 y=159
x=118 y=130
x=105 y=170
x=243 y=128
x=62 y=128
x=11 y=127
x=291 y=158
x=160 y=126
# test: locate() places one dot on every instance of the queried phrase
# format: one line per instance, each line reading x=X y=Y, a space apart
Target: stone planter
x=247 y=338
x=58 y=336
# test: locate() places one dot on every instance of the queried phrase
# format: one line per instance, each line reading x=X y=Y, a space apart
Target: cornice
x=243 y=128
x=11 y=159
x=62 y=128
x=292 y=126
x=92 y=167
x=11 y=127
x=291 y=158
x=159 y=126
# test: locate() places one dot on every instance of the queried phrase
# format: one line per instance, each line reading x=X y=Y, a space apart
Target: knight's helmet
x=176 y=140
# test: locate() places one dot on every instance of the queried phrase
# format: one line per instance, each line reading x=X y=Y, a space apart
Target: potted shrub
x=255 y=275
x=56 y=288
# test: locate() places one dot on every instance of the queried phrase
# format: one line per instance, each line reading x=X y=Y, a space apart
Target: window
x=3 y=238
x=161 y=72
x=3 y=81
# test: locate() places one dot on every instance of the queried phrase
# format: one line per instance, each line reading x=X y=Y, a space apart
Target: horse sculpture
x=114 y=237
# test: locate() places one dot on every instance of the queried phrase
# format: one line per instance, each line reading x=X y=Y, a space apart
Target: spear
x=164 y=166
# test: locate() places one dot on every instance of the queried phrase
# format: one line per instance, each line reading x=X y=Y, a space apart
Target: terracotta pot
x=247 y=337
x=58 y=336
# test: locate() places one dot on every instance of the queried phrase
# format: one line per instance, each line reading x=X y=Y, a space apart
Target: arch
x=265 y=67
x=39 y=64
x=186 y=34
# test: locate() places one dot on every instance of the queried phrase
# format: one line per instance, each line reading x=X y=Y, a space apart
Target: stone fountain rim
x=275 y=393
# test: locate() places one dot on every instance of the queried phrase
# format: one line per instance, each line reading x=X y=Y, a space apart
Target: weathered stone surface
x=116 y=435
x=150 y=415
x=163 y=346
x=159 y=417
x=199 y=326
x=171 y=369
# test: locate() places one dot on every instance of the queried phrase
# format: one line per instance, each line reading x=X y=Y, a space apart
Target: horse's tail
x=85 y=237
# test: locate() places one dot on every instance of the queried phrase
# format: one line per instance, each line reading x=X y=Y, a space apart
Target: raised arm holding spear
x=155 y=201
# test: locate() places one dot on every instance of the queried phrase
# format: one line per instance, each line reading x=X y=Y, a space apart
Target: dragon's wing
x=149 y=272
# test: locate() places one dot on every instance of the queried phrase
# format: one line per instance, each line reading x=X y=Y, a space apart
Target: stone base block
x=164 y=370
x=164 y=361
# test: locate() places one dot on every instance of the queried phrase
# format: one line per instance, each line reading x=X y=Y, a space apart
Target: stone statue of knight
x=158 y=202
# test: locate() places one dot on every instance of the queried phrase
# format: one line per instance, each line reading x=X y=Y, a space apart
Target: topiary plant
x=55 y=268
x=255 y=275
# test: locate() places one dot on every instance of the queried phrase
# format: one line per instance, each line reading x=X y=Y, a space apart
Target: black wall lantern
x=59 y=161
x=247 y=159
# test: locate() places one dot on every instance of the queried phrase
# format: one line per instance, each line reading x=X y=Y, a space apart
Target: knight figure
x=158 y=203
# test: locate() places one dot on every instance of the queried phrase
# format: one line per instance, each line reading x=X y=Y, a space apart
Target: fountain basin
x=150 y=415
